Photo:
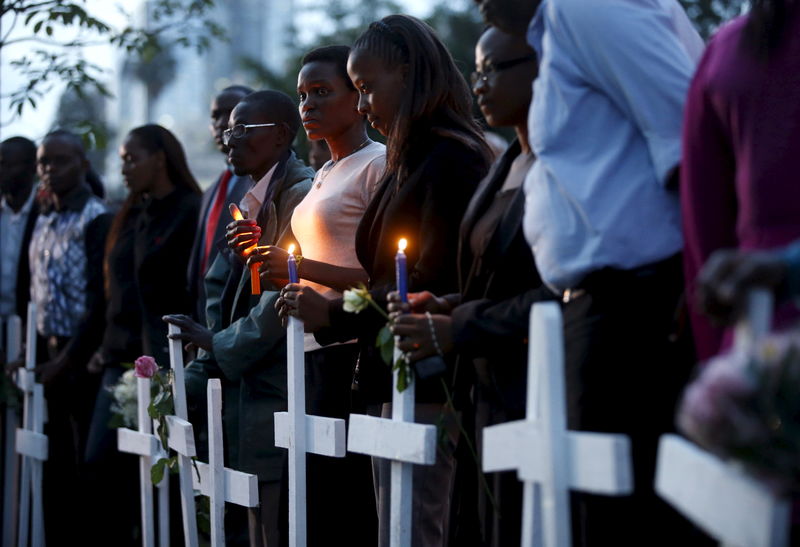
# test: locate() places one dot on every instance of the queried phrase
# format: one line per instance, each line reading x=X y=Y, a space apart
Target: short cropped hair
x=26 y=146
x=335 y=55
x=276 y=105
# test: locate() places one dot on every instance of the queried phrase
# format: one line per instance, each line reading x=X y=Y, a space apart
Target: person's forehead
x=495 y=43
x=224 y=102
x=247 y=113
x=59 y=145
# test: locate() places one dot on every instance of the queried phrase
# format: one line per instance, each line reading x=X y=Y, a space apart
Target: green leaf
x=157 y=470
x=387 y=352
x=384 y=336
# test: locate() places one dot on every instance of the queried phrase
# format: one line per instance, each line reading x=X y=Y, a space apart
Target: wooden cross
x=13 y=350
x=181 y=439
x=31 y=444
x=716 y=495
x=403 y=442
x=216 y=481
x=302 y=433
x=148 y=447
x=549 y=459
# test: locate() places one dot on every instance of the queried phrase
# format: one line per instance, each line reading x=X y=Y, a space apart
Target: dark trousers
x=341 y=507
x=70 y=400
x=110 y=475
x=626 y=365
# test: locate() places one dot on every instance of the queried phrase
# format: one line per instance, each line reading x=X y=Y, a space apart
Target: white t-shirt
x=325 y=222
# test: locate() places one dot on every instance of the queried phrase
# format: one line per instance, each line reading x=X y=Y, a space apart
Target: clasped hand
x=192 y=332
x=410 y=321
x=304 y=303
x=273 y=261
x=241 y=235
x=729 y=275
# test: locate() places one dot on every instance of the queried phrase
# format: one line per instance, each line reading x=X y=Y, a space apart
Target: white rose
x=356 y=300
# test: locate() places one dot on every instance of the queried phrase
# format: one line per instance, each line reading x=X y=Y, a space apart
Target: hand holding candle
x=401 y=270
x=242 y=234
x=255 y=279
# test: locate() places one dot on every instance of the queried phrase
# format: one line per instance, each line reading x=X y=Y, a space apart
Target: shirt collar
x=75 y=200
x=254 y=198
x=26 y=207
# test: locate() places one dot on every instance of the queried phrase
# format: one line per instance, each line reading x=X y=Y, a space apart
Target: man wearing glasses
x=214 y=214
x=245 y=344
x=603 y=221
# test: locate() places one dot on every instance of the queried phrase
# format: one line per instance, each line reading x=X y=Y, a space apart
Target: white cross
x=403 y=442
x=31 y=444
x=148 y=447
x=181 y=439
x=302 y=433
x=717 y=495
x=216 y=481
x=549 y=459
x=13 y=350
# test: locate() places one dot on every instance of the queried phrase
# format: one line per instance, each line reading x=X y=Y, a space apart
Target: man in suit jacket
x=245 y=342
x=18 y=212
x=214 y=214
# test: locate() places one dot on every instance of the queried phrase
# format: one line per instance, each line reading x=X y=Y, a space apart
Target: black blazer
x=23 y=291
x=425 y=208
x=194 y=276
x=162 y=241
x=498 y=287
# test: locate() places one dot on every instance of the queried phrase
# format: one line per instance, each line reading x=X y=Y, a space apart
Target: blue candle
x=401 y=271
x=292 y=263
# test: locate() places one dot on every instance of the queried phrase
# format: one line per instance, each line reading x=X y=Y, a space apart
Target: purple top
x=741 y=157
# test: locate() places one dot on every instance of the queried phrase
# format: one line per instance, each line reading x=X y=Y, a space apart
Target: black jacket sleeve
x=90 y=331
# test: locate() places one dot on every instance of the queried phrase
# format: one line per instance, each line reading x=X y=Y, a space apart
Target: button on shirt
x=12 y=229
x=605 y=124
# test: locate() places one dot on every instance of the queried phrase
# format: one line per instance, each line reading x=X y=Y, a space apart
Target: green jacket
x=249 y=345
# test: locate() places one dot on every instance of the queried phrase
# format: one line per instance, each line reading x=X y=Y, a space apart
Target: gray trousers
x=433 y=484
x=269 y=521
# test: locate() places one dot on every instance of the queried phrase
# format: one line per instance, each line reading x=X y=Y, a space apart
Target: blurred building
x=176 y=89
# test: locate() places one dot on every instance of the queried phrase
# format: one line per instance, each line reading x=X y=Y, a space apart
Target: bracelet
x=433 y=335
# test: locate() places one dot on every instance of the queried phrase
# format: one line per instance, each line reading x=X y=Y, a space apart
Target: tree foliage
x=52 y=59
x=708 y=15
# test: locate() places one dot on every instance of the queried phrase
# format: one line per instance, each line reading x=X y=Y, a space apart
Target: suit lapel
x=485 y=193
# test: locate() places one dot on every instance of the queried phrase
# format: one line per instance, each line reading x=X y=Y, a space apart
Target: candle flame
x=235 y=212
x=402 y=244
x=291 y=249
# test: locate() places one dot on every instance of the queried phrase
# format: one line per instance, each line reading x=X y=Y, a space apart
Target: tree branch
x=56 y=43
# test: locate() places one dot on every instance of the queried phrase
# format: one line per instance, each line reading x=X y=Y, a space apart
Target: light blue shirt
x=605 y=124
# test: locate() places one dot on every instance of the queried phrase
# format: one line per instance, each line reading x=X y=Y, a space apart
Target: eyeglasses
x=240 y=130
x=483 y=75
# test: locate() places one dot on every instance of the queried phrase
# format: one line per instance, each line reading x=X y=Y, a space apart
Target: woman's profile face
x=380 y=88
x=503 y=92
x=328 y=107
x=139 y=167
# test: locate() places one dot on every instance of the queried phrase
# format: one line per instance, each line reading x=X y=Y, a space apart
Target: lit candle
x=292 y=264
x=401 y=272
x=236 y=213
x=255 y=278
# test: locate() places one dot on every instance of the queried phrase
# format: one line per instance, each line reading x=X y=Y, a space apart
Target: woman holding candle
x=486 y=323
x=147 y=251
x=324 y=225
x=411 y=92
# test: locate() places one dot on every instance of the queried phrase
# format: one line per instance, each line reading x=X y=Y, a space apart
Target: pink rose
x=145 y=367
